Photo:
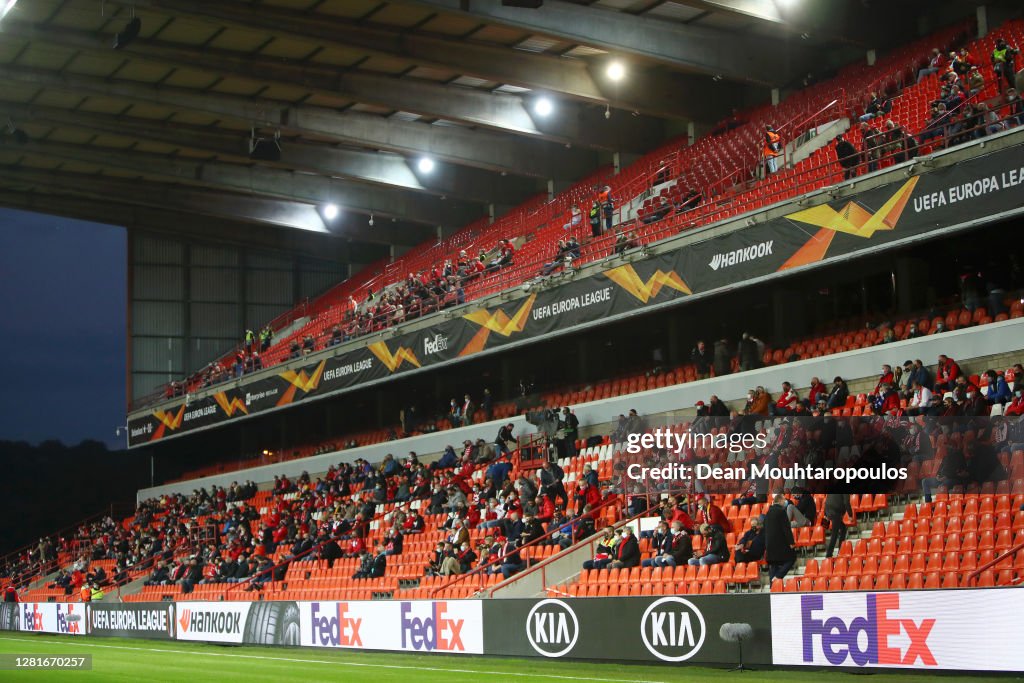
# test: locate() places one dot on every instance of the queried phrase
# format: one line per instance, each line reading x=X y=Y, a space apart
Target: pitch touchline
x=344 y=663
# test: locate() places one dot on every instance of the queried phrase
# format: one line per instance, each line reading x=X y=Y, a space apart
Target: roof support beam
x=497 y=111
x=656 y=94
x=753 y=59
x=261 y=182
x=196 y=201
x=463 y=146
x=388 y=170
x=163 y=219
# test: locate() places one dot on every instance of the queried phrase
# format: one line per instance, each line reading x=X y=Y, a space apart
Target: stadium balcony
x=723 y=167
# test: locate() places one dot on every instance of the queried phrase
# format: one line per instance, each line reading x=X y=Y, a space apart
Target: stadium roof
x=157 y=132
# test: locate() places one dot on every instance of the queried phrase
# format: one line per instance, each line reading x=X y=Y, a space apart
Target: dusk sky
x=62 y=322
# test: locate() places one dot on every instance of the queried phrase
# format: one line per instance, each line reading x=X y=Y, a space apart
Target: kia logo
x=552 y=628
x=672 y=629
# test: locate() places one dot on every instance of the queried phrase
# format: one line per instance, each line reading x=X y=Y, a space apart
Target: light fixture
x=616 y=71
x=331 y=211
x=543 y=106
x=371 y=220
x=8 y=6
x=129 y=33
x=426 y=165
x=264 y=149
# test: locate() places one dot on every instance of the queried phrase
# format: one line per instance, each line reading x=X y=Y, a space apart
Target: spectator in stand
x=627 y=552
x=749 y=352
x=780 y=547
x=569 y=424
x=772 y=150
x=607 y=205
x=887 y=401
x=605 y=550
x=575 y=218
x=837 y=507
x=877 y=106
x=760 y=403
x=952 y=472
x=935 y=127
x=716 y=549
x=671 y=548
x=1013 y=107
x=786 y=403
x=912 y=332
x=998 y=390
x=467 y=410
x=511 y=561
x=1004 y=63
x=716 y=408
x=818 y=390
x=701 y=358
x=454 y=416
x=920 y=400
x=975 y=81
x=946 y=373
x=595 y=219
x=936 y=64
x=488 y=405
x=848 y=157
x=709 y=513
x=559 y=259
x=550 y=477
x=871 y=146
x=900 y=145
x=750 y=547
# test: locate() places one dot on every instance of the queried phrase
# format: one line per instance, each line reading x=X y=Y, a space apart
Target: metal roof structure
x=157 y=131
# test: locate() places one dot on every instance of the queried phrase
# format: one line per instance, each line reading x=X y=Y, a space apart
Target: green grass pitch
x=141 y=660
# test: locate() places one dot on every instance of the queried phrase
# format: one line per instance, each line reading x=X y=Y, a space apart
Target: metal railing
x=976 y=574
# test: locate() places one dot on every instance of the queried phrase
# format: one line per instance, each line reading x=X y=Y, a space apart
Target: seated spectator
x=750 y=547
x=946 y=373
x=575 y=218
x=920 y=400
x=627 y=552
x=715 y=550
x=511 y=561
x=876 y=107
x=672 y=548
x=605 y=550
x=786 y=403
x=935 y=64
x=760 y=403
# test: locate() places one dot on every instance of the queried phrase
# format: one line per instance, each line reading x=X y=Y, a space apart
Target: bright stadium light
x=8 y=6
x=543 y=107
x=331 y=212
x=616 y=71
x=426 y=165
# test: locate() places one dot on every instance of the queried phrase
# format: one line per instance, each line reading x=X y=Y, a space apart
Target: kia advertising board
x=454 y=627
x=132 y=620
x=671 y=629
x=52 y=617
x=963 y=630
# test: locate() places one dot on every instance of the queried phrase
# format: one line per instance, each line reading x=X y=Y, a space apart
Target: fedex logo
x=66 y=622
x=865 y=639
x=31 y=618
x=337 y=628
x=434 y=632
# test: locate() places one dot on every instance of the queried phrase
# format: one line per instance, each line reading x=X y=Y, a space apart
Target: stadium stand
x=722 y=168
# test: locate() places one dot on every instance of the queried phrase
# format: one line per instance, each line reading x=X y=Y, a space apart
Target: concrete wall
x=1000 y=340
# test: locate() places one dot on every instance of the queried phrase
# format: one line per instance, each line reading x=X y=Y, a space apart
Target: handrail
x=542 y=565
x=480 y=571
x=988 y=565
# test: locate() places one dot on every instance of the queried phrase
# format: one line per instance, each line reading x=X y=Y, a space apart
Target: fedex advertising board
x=454 y=626
x=937 y=630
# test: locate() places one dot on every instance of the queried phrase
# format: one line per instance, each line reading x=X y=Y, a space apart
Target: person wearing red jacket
x=888 y=401
x=1016 y=406
x=885 y=378
x=585 y=495
x=546 y=508
x=817 y=390
x=709 y=513
x=786 y=403
x=946 y=374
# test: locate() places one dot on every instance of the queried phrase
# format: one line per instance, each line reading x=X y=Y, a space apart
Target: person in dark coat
x=780 y=547
x=837 y=505
x=627 y=552
x=750 y=547
x=848 y=157
x=330 y=551
x=722 y=358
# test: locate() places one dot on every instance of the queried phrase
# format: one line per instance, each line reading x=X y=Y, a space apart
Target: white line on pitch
x=342 y=662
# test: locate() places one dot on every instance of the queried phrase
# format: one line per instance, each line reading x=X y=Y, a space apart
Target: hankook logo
x=673 y=629
x=552 y=628
x=731 y=258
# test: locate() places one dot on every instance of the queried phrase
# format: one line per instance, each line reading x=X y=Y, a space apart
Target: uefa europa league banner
x=889 y=214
